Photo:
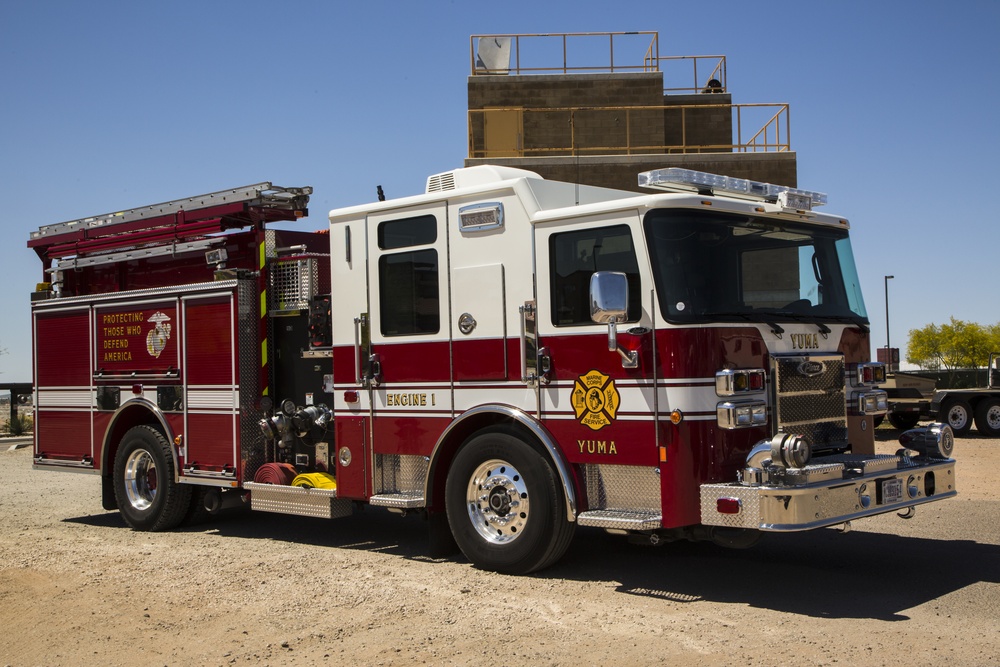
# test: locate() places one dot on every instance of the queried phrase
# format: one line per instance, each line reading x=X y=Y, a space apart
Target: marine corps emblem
x=595 y=400
x=156 y=339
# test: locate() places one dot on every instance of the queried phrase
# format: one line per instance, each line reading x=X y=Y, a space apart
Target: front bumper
x=829 y=491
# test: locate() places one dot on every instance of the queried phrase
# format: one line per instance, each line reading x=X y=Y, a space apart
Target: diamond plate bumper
x=866 y=486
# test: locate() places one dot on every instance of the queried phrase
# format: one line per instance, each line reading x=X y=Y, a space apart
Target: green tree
x=958 y=344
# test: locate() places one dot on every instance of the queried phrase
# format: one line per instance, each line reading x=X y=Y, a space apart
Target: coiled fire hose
x=315 y=480
x=275 y=473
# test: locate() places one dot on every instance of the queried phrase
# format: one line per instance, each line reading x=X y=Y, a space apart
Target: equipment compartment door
x=63 y=394
x=211 y=384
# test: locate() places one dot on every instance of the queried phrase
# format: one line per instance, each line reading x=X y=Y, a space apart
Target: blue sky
x=110 y=105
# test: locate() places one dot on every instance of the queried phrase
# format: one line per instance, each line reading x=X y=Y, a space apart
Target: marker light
x=728 y=505
x=480 y=217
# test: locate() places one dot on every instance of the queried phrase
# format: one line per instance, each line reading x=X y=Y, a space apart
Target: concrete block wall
x=566 y=90
x=614 y=145
x=691 y=123
x=584 y=129
x=622 y=172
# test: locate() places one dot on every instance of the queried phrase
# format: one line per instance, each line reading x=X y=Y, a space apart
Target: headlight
x=871 y=402
x=732 y=415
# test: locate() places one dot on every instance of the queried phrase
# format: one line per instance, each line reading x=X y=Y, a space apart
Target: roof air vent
x=441 y=182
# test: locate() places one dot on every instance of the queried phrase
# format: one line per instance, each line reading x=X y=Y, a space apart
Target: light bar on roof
x=675 y=179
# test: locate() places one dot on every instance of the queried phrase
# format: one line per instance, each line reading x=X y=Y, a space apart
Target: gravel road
x=78 y=587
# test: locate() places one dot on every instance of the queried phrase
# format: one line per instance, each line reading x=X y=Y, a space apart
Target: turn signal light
x=871 y=373
x=729 y=382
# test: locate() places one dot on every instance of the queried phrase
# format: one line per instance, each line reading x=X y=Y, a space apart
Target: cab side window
x=575 y=256
x=408 y=280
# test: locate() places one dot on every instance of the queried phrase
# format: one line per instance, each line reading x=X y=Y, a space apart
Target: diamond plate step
x=621 y=519
x=398 y=500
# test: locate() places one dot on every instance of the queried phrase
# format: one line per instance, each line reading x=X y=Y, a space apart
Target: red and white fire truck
x=509 y=355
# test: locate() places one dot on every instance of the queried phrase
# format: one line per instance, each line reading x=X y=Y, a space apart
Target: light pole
x=888 y=353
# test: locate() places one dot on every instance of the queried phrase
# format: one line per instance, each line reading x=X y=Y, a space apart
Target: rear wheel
x=148 y=497
x=505 y=505
x=988 y=417
x=903 y=420
x=958 y=415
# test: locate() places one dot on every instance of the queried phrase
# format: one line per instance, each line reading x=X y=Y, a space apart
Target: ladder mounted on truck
x=166 y=227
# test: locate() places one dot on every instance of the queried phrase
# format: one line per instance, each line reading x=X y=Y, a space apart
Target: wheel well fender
x=486 y=416
x=946 y=398
x=134 y=412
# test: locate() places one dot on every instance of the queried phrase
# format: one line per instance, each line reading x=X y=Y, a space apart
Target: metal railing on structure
x=715 y=82
x=534 y=54
x=495 y=52
x=631 y=130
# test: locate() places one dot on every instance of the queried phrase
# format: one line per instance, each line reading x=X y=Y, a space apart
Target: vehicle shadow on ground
x=369 y=528
x=823 y=573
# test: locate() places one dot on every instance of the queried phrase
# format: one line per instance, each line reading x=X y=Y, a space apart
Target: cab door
x=600 y=406
x=410 y=343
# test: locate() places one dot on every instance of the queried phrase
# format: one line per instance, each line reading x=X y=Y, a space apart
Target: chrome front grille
x=810 y=398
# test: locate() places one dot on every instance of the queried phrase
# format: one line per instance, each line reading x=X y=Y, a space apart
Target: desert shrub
x=20 y=424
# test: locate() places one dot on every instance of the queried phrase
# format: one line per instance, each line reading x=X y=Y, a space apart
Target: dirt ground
x=78 y=587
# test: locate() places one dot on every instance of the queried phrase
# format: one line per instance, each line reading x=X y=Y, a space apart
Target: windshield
x=711 y=267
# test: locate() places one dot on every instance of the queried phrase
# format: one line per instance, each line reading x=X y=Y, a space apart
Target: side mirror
x=609 y=305
x=608 y=297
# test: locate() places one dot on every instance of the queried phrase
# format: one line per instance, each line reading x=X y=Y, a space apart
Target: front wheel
x=988 y=417
x=505 y=505
x=148 y=497
x=958 y=415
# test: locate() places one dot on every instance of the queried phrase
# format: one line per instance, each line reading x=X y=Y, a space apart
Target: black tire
x=506 y=506
x=988 y=417
x=877 y=420
x=148 y=498
x=957 y=413
x=904 y=421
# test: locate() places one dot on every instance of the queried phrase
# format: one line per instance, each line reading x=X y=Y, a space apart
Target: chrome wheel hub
x=497 y=500
x=140 y=479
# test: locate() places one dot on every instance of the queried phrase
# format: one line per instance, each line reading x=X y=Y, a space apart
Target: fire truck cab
x=509 y=355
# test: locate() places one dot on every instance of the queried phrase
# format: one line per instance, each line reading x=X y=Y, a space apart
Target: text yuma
x=597 y=446
x=804 y=341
